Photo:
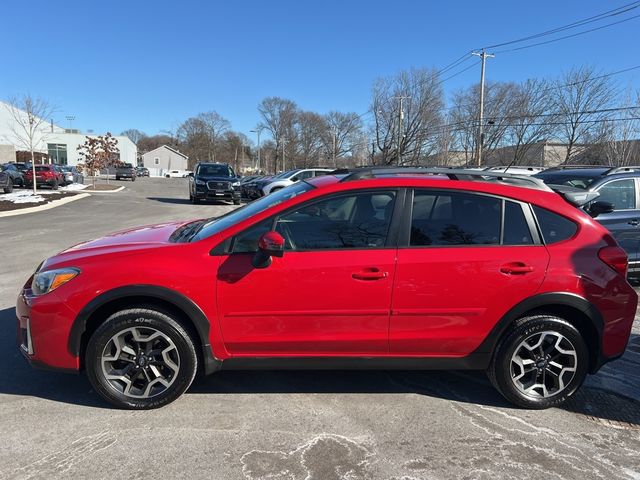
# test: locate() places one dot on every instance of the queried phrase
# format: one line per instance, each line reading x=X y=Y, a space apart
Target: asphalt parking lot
x=287 y=425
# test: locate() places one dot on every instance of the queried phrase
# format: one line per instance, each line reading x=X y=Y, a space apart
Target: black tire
x=167 y=176
x=55 y=185
x=9 y=187
x=236 y=201
x=144 y=320
x=133 y=179
x=500 y=370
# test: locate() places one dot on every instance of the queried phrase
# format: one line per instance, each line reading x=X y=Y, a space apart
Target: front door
x=461 y=271
x=330 y=294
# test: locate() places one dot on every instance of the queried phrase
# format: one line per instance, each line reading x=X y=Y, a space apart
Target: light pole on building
x=257 y=131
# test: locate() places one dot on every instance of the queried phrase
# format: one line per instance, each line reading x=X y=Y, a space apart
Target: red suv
x=46 y=175
x=410 y=269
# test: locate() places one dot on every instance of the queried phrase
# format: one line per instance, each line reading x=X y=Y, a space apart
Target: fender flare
x=178 y=300
x=541 y=301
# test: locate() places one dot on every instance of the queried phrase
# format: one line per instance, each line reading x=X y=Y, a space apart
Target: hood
x=125 y=241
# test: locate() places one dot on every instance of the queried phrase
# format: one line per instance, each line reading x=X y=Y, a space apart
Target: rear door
x=466 y=259
x=624 y=221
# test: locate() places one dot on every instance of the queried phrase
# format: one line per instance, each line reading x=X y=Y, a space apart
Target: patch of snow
x=73 y=187
x=22 y=196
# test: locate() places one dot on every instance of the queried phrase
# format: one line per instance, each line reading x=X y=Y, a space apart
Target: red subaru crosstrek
x=410 y=269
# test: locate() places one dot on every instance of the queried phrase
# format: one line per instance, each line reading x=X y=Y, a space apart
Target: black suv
x=214 y=181
x=619 y=186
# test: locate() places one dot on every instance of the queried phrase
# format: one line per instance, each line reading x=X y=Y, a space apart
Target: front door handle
x=516 y=268
x=635 y=223
x=372 y=273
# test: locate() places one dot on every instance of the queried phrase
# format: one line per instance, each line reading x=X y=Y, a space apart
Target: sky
x=152 y=64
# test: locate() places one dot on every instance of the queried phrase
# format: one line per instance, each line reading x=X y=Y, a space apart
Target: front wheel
x=236 y=201
x=55 y=185
x=541 y=362
x=9 y=187
x=140 y=359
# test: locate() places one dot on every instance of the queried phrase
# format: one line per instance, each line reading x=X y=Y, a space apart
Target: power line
x=578 y=23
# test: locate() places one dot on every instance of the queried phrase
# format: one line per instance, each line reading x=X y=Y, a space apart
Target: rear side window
x=621 y=193
x=554 y=228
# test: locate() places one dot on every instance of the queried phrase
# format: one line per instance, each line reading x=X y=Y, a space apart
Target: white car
x=177 y=173
x=292 y=176
x=516 y=169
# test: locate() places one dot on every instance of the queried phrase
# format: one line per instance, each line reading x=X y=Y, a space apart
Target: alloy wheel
x=140 y=362
x=543 y=364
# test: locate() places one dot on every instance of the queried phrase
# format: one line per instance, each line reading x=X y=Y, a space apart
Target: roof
x=168 y=148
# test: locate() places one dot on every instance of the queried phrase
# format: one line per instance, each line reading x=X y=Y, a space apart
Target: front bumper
x=43 y=325
x=204 y=193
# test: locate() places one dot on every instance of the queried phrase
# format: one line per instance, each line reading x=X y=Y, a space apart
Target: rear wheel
x=236 y=201
x=140 y=359
x=540 y=363
x=55 y=185
x=9 y=187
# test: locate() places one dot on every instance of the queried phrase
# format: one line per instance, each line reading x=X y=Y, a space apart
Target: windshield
x=214 y=171
x=577 y=181
x=215 y=225
x=66 y=169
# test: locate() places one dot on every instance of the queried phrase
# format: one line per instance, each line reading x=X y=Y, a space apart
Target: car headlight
x=47 y=281
x=200 y=182
x=235 y=184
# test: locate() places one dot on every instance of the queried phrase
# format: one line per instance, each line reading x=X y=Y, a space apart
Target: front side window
x=620 y=193
x=353 y=221
x=455 y=218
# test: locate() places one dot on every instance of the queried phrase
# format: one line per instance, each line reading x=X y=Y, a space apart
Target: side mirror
x=190 y=174
x=598 y=208
x=270 y=244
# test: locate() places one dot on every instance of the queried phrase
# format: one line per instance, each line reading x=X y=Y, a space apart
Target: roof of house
x=168 y=148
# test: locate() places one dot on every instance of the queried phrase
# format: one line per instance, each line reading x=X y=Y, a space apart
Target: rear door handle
x=634 y=222
x=372 y=273
x=516 y=268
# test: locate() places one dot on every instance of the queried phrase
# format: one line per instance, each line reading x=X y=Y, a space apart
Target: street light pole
x=258 y=131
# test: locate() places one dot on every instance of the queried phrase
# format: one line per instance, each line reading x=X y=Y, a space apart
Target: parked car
x=253 y=188
x=387 y=268
x=142 y=171
x=517 y=169
x=177 y=174
x=17 y=176
x=126 y=170
x=22 y=166
x=246 y=181
x=214 y=181
x=71 y=174
x=46 y=175
x=289 y=178
x=618 y=186
x=6 y=183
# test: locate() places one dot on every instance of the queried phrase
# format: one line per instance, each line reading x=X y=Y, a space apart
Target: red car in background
x=46 y=176
x=382 y=268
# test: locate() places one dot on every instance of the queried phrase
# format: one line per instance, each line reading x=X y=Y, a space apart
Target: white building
x=61 y=145
x=164 y=158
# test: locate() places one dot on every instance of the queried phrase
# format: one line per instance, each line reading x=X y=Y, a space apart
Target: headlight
x=200 y=182
x=235 y=184
x=45 y=282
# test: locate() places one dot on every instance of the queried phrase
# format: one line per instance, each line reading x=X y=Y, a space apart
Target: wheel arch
x=187 y=313
x=571 y=307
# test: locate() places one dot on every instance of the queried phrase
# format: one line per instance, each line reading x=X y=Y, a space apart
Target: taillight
x=616 y=258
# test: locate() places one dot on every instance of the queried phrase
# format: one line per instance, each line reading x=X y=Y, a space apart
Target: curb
x=48 y=206
x=119 y=189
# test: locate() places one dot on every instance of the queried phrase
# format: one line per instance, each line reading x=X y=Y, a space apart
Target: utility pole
x=258 y=131
x=400 y=126
x=373 y=152
x=334 y=130
x=483 y=56
x=284 y=141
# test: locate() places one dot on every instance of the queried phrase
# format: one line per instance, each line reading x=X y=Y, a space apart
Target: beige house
x=163 y=159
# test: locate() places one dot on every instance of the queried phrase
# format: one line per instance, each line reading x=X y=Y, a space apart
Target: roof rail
x=451 y=173
x=614 y=170
x=514 y=167
x=569 y=166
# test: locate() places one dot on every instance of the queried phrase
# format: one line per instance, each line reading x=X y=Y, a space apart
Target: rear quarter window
x=553 y=227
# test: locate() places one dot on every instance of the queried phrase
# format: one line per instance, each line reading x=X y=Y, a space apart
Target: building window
x=156 y=161
x=57 y=153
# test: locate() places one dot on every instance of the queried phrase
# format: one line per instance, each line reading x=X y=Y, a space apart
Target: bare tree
x=342 y=135
x=406 y=133
x=215 y=125
x=310 y=128
x=530 y=120
x=29 y=124
x=579 y=96
x=278 y=117
x=134 y=135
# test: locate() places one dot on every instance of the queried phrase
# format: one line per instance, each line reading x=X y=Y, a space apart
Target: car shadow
x=18 y=378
